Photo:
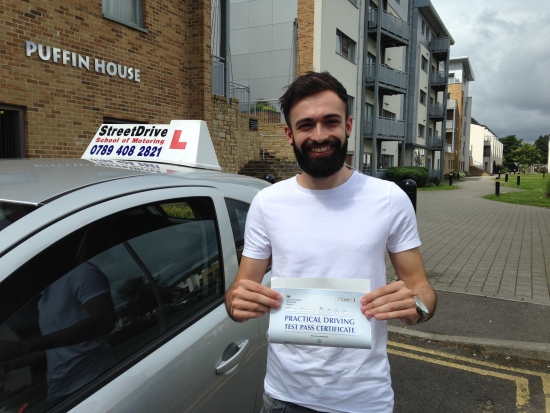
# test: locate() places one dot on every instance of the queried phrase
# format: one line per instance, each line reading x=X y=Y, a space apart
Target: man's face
x=318 y=133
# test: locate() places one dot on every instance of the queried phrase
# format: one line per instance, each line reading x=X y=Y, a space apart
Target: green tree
x=509 y=143
x=526 y=154
x=542 y=144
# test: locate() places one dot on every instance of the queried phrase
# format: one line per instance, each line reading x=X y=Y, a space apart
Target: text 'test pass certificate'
x=320 y=316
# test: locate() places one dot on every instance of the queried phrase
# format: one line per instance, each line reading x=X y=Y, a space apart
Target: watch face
x=422 y=309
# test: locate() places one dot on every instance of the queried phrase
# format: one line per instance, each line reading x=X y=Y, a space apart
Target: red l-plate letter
x=176 y=144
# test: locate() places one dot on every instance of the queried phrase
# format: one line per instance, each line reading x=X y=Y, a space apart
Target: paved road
x=475 y=246
x=490 y=263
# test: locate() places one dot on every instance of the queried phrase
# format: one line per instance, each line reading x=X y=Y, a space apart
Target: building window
x=424 y=64
x=423 y=27
x=421 y=130
x=388 y=115
x=423 y=97
x=345 y=47
x=127 y=12
x=427 y=33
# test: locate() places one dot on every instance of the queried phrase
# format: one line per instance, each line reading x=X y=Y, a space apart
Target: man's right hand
x=247 y=298
x=250 y=299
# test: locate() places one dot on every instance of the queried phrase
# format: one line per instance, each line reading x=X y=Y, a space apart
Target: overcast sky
x=508 y=43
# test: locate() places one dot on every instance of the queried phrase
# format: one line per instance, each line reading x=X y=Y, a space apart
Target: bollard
x=519 y=176
x=543 y=175
x=505 y=177
x=409 y=186
x=450 y=179
x=269 y=178
x=458 y=176
x=497 y=188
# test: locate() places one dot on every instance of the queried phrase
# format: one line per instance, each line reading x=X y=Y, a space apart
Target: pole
x=497 y=188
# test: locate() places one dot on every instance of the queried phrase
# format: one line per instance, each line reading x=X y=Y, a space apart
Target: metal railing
x=477 y=164
x=389 y=23
x=437 y=109
x=438 y=78
x=453 y=80
x=386 y=127
x=448 y=148
x=434 y=142
x=387 y=76
x=218 y=75
x=265 y=110
x=242 y=94
x=440 y=45
x=449 y=124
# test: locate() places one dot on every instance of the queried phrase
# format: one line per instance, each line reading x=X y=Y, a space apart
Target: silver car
x=112 y=284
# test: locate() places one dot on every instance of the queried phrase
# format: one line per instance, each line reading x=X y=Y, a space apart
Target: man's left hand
x=392 y=301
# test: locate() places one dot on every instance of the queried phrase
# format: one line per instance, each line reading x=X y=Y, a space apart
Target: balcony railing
x=437 y=78
x=441 y=45
x=453 y=80
x=242 y=94
x=386 y=127
x=218 y=75
x=450 y=125
x=391 y=24
x=437 y=110
x=448 y=148
x=434 y=142
x=387 y=76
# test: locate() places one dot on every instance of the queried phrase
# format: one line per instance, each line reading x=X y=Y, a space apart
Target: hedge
x=418 y=174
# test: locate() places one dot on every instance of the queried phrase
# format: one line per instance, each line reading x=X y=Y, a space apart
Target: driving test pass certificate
x=320 y=312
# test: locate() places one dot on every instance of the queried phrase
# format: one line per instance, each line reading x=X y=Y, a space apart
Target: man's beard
x=324 y=166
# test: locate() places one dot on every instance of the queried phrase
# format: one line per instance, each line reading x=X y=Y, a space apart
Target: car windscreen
x=12 y=211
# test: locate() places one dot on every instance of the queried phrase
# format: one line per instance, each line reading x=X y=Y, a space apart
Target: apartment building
x=427 y=98
x=391 y=55
x=486 y=150
x=459 y=115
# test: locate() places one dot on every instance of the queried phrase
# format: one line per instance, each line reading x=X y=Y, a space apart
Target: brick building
x=68 y=66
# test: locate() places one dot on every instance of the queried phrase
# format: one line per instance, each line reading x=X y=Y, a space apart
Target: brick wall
x=456 y=92
x=65 y=104
x=234 y=143
x=304 y=61
x=276 y=144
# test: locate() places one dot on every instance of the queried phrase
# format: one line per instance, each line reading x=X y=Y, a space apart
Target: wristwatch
x=422 y=310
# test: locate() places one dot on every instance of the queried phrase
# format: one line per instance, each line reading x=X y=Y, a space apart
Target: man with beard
x=330 y=222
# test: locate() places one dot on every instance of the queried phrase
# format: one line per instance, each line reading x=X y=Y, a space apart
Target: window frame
x=424 y=64
x=139 y=15
x=351 y=46
x=423 y=97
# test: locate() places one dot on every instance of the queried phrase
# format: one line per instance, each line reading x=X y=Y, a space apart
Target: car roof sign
x=182 y=142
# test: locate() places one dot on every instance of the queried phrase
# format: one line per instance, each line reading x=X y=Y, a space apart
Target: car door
x=150 y=269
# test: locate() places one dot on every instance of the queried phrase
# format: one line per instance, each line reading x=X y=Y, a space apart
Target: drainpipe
x=360 y=87
x=224 y=47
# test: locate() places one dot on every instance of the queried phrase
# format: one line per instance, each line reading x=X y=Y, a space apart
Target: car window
x=237 y=215
x=12 y=211
x=102 y=296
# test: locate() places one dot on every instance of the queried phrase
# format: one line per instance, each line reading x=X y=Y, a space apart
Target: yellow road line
x=546 y=390
x=522 y=384
x=469 y=360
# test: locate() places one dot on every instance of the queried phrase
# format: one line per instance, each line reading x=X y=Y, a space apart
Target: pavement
x=489 y=262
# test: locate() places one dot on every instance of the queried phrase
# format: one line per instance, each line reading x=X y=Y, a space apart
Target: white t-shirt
x=337 y=233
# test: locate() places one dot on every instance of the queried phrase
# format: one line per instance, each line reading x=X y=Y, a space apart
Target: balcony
x=434 y=142
x=390 y=81
x=218 y=75
x=394 y=31
x=439 y=48
x=438 y=80
x=448 y=148
x=450 y=125
x=436 y=111
x=387 y=128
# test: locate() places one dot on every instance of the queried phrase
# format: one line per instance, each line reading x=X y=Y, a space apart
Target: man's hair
x=310 y=84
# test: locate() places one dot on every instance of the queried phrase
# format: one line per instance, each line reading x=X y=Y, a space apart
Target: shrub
x=430 y=185
x=547 y=192
x=435 y=180
x=466 y=173
x=543 y=169
x=418 y=174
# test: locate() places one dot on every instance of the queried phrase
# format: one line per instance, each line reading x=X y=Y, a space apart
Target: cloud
x=507 y=46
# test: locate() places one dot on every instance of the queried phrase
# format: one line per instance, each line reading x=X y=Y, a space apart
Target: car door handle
x=232 y=356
